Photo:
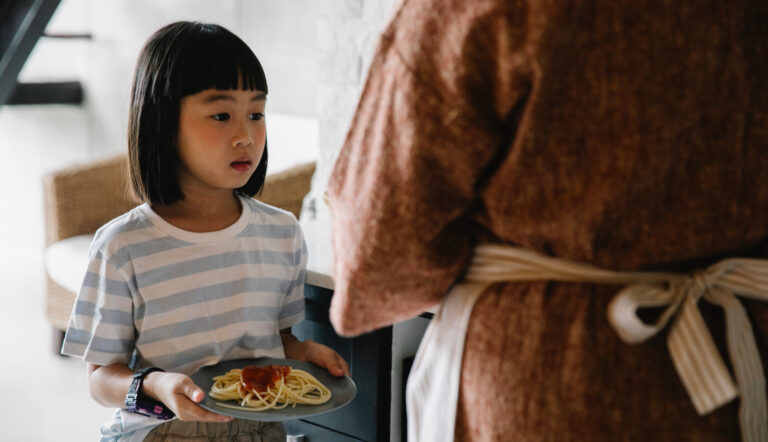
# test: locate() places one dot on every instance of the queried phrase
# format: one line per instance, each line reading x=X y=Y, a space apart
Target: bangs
x=210 y=57
x=179 y=60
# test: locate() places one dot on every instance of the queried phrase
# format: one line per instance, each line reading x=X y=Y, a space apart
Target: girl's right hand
x=177 y=392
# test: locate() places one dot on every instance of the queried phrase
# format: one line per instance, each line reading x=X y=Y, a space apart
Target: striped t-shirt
x=156 y=295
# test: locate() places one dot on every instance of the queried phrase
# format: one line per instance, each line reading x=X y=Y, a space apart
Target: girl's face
x=221 y=139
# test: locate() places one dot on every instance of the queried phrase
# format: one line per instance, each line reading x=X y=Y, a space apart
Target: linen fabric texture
x=156 y=295
x=236 y=430
x=628 y=135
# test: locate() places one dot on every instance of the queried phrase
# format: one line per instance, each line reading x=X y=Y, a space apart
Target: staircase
x=22 y=24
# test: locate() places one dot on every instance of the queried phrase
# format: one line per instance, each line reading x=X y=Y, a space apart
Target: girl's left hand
x=325 y=356
x=314 y=352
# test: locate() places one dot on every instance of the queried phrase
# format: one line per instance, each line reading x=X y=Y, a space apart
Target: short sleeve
x=101 y=327
x=292 y=311
x=424 y=137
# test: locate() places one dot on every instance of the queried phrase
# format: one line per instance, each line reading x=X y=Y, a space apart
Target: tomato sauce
x=260 y=379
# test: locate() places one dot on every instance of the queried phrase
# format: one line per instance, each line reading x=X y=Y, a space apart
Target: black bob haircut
x=178 y=60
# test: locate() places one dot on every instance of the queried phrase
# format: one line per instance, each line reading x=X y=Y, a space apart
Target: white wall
x=283 y=34
x=280 y=33
x=348 y=33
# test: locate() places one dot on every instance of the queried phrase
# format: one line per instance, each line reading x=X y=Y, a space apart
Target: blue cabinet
x=366 y=418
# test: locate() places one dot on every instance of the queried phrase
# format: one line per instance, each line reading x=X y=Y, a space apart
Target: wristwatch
x=137 y=402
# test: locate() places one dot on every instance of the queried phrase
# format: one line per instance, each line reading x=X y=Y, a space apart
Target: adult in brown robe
x=628 y=134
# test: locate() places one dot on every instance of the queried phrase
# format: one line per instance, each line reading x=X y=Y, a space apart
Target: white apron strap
x=432 y=392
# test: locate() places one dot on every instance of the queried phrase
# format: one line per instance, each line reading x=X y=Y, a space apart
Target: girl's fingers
x=194 y=395
x=325 y=356
x=336 y=366
x=208 y=416
x=344 y=365
x=190 y=411
x=194 y=392
x=181 y=395
x=188 y=388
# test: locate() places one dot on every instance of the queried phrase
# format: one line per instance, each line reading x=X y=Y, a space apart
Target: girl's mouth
x=241 y=166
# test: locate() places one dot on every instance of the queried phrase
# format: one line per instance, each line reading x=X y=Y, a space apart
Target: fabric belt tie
x=694 y=354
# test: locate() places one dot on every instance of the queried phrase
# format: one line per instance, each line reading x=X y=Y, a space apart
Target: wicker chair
x=80 y=199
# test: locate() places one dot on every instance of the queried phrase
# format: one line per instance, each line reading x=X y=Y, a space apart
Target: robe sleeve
x=431 y=119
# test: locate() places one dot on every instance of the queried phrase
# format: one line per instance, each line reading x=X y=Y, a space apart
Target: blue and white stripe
x=159 y=296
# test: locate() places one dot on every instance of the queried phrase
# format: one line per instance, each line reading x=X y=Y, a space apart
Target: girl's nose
x=242 y=136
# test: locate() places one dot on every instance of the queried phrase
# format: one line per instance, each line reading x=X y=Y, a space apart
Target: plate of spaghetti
x=269 y=389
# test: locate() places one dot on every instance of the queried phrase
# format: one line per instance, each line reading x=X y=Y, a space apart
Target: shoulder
x=126 y=229
x=457 y=49
x=266 y=214
x=428 y=20
x=272 y=222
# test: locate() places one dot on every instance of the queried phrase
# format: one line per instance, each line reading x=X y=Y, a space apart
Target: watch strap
x=137 y=402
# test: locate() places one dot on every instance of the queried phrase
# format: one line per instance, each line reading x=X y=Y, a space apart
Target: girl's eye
x=256 y=116
x=221 y=117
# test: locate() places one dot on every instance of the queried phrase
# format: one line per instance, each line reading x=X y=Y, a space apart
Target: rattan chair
x=80 y=199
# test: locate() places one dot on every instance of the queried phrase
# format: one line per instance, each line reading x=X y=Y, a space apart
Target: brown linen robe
x=624 y=133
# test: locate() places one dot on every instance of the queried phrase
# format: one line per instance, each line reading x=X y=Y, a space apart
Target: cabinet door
x=370 y=360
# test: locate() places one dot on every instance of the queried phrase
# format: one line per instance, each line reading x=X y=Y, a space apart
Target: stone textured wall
x=347 y=34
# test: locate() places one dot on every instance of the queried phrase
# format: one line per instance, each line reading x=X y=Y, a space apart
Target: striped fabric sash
x=696 y=358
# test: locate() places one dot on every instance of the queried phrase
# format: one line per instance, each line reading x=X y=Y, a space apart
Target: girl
x=201 y=272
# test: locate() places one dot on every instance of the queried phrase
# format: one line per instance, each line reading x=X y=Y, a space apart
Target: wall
x=282 y=34
x=35 y=140
x=315 y=54
x=348 y=32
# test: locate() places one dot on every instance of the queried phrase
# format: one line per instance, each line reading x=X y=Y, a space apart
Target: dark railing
x=22 y=23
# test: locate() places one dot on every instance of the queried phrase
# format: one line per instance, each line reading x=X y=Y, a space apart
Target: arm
x=293 y=313
x=315 y=352
x=429 y=131
x=109 y=378
x=108 y=385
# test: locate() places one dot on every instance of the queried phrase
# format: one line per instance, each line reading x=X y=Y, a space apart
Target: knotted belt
x=433 y=384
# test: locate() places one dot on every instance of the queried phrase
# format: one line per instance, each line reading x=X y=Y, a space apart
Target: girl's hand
x=181 y=395
x=325 y=356
x=315 y=352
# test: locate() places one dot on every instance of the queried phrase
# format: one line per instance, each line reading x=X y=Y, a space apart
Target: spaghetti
x=268 y=387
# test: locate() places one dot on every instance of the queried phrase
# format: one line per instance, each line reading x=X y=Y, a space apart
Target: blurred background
x=315 y=54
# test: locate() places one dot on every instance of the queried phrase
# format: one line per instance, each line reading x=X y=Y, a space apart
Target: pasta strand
x=297 y=387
